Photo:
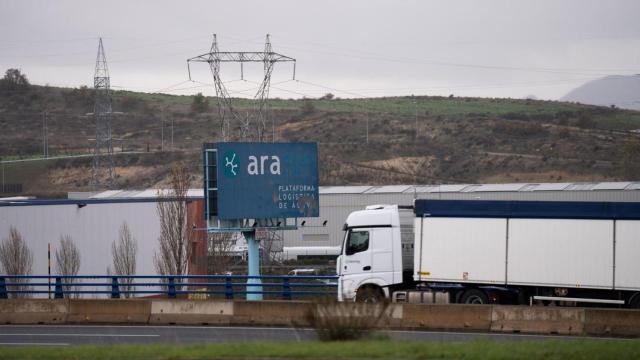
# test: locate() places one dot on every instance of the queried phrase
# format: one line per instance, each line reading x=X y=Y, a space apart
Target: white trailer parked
x=477 y=251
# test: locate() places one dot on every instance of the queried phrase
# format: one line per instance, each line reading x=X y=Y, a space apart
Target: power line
x=383 y=57
x=214 y=58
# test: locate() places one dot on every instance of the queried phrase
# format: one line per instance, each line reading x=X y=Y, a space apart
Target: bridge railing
x=170 y=286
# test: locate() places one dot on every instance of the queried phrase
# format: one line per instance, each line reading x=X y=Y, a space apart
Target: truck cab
x=377 y=252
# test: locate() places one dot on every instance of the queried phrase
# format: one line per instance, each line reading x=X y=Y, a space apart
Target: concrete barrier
x=33 y=311
x=539 y=320
x=612 y=322
x=191 y=312
x=271 y=313
x=453 y=317
x=109 y=311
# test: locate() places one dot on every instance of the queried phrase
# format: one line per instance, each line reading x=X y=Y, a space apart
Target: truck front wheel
x=474 y=296
x=369 y=294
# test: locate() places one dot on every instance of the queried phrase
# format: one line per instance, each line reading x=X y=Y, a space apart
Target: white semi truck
x=507 y=252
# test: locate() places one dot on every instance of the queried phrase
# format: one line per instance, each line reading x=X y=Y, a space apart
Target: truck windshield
x=356 y=242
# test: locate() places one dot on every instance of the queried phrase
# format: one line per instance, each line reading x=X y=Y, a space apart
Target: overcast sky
x=350 y=48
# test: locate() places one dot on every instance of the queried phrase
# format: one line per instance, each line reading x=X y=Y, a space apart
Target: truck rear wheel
x=369 y=294
x=474 y=296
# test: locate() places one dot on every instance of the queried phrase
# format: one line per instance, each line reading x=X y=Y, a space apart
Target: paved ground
x=63 y=335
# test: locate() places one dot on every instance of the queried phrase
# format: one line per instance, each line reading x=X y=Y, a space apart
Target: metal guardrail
x=231 y=286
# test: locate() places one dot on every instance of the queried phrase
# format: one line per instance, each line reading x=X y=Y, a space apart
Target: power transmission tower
x=237 y=126
x=103 y=172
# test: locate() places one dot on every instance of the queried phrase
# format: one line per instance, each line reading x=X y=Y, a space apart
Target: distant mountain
x=621 y=91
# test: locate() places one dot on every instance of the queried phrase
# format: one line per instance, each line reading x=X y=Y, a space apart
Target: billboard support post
x=253 y=249
x=253 y=188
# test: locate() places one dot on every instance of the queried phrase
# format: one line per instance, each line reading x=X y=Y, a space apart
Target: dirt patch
x=547 y=176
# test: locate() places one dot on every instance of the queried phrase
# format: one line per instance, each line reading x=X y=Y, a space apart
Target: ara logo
x=256 y=165
x=259 y=166
x=231 y=164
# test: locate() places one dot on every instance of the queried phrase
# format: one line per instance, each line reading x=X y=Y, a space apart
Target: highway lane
x=65 y=335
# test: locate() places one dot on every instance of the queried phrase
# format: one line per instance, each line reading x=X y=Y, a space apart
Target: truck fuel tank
x=421 y=297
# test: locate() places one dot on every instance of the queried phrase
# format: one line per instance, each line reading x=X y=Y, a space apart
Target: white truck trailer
x=508 y=252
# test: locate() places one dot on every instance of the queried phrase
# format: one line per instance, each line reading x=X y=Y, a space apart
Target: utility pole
x=415 y=106
x=102 y=166
x=367 y=130
x=237 y=126
x=45 y=143
x=367 y=121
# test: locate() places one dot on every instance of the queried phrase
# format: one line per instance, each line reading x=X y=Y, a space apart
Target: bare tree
x=172 y=257
x=68 y=262
x=272 y=249
x=124 y=257
x=16 y=259
x=219 y=252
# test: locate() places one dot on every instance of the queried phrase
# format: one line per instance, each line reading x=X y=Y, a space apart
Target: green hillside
x=386 y=140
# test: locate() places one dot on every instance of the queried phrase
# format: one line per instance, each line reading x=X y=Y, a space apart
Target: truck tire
x=369 y=294
x=474 y=296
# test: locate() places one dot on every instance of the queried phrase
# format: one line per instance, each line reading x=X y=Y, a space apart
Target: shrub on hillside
x=199 y=104
x=14 y=80
x=585 y=121
x=81 y=97
x=307 y=106
x=518 y=129
x=630 y=156
x=130 y=103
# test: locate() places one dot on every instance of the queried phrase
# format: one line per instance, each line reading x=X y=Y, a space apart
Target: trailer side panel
x=627 y=254
x=561 y=252
x=475 y=250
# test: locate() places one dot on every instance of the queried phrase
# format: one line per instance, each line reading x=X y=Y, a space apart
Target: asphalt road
x=65 y=335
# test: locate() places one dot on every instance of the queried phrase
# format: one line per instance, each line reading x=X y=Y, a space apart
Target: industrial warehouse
x=93 y=219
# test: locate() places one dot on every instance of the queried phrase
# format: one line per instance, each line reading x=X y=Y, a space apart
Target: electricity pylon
x=237 y=126
x=102 y=166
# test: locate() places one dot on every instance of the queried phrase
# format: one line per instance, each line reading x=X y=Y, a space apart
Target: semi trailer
x=505 y=252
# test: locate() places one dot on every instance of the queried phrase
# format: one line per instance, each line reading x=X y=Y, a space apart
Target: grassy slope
x=605 y=118
x=578 y=349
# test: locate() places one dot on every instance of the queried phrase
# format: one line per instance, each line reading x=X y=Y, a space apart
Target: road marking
x=87 y=335
x=576 y=337
x=162 y=327
x=34 y=344
x=263 y=328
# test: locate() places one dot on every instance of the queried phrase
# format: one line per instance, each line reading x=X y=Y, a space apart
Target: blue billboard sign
x=261 y=180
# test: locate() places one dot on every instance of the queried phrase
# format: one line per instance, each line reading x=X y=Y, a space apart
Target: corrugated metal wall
x=93 y=228
x=335 y=207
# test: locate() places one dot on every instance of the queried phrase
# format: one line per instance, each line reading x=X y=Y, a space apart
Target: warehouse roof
x=402 y=189
x=152 y=194
x=407 y=189
x=466 y=188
